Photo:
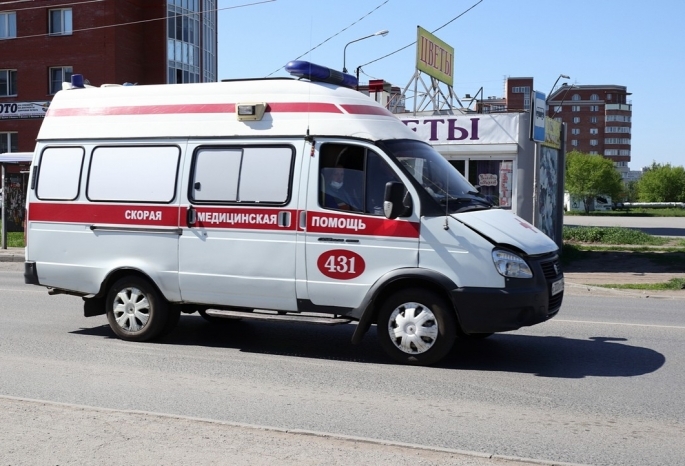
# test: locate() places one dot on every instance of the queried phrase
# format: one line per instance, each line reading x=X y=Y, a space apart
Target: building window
x=558 y=119
x=609 y=152
x=557 y=109
x=575 y=97
x=608 y=96
x=520 y=90
x=576 y=119
x=575 y=131
x=8 y=25
x=8 y=83
x=593 y=120
x=60 y=22
x=594 y=108
x=526 y=103
x=617 y=129
x=617 y=141
x=594 y=97
x=59 y=75
x=593 y=142
x=594 y=131
x=575 y=108
x=8 y=142
x=624 y=152
x=574 y=142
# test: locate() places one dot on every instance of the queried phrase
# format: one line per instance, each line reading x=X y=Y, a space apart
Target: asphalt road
x=600 y=384
x=658 y=226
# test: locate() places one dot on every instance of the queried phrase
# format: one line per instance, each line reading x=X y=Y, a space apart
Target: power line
x=336 y=34
x=164 y=18
x=435 y=30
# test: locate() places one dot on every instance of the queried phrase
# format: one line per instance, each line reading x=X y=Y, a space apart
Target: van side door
x=238 y=221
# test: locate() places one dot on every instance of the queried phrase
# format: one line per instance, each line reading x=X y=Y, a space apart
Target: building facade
x=598 y=118
x=43 y=42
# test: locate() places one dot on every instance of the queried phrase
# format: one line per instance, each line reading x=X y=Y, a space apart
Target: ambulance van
x=289 y=198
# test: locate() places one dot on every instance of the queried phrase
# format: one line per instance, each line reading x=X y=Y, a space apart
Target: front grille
x=550 y=268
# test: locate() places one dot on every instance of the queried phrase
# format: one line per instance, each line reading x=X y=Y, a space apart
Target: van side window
x=240 y=174
x=352 y=178
x=133 y=174
x=59 y=175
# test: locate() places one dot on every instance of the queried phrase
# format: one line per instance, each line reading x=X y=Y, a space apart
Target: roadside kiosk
x=14 y=167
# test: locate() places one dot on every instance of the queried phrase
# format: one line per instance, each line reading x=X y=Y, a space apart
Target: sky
x=637 y=44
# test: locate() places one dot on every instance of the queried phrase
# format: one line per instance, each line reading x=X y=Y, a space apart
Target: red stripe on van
x=277 y=107
x=108 y=214
x=324 y=222
x=143 y=110
x=366 y=110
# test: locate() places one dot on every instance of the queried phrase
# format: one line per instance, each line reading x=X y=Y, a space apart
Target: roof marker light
x=318 y=73
x=250 y=111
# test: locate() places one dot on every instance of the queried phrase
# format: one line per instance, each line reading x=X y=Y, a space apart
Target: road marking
x=617 y=323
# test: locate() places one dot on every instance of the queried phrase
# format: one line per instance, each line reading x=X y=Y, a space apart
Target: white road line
x=616 y=323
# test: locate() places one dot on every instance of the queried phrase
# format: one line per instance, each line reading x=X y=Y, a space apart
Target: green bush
x=610 y=235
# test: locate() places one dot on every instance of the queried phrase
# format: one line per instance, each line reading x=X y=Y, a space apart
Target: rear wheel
x=416 y=326
x=135 y=309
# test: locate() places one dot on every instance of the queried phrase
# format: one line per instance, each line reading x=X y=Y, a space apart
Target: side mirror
x=397 y=201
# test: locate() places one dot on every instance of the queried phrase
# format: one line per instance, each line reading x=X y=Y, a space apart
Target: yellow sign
x=434 y=57
x=552 y=133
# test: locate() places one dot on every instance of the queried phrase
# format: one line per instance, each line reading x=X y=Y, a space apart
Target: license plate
x=557 y=287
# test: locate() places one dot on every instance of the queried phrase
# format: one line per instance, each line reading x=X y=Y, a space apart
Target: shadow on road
x=544 y=356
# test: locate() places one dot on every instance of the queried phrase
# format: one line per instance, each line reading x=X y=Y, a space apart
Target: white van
x=273 y=199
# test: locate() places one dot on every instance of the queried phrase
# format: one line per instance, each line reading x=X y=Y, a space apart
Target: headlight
x=510 y=265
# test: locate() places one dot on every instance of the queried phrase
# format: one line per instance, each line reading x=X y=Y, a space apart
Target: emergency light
x=318 y=73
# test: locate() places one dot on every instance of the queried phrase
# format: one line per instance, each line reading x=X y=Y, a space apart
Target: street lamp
x=555 y=84
x=383 y=33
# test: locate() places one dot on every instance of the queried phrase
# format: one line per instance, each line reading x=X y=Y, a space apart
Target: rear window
x=59 y=173
x=133 y=174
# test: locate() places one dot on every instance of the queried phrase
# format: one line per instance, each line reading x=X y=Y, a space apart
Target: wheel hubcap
x=131 y=309
x=413 y=328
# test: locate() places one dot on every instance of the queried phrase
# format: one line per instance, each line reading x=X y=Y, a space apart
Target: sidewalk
x=12 y=255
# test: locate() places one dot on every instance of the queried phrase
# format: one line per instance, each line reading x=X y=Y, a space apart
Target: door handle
x=191 y=216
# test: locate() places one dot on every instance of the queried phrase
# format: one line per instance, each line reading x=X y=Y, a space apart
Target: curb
x=11 y=256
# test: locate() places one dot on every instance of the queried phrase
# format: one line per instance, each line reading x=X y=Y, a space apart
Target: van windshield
x=436 y=175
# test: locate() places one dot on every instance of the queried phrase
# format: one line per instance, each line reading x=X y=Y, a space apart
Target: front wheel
x=416 y=326
x=135 y=309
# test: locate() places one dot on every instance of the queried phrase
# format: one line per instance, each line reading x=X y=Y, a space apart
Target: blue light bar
x=313 y=72
x=77 y=81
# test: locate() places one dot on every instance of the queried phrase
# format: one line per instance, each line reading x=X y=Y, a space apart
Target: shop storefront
x=495 y=153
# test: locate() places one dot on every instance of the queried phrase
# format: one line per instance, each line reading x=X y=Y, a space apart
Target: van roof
x=293 y=108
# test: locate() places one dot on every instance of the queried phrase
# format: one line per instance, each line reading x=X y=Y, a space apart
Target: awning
x=16 y=157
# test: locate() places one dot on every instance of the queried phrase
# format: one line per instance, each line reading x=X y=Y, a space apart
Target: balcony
x=621 y=107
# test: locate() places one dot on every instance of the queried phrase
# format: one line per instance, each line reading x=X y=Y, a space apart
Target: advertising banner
x=466 y=129
x=434 y=57
x=23 y=110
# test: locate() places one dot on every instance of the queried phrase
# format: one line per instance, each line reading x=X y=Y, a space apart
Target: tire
x=416 y=326
x=135 y=309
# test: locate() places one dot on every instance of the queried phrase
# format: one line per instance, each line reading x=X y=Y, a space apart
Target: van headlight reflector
x=510 y=265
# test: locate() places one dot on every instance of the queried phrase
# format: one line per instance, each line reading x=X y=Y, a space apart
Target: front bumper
x=521 y=303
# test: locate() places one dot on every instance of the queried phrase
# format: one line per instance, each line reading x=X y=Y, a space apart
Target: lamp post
x=555 y=84
x=383 y=33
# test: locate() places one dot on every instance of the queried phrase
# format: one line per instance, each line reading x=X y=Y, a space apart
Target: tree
x=662 y=183
x=588 y=176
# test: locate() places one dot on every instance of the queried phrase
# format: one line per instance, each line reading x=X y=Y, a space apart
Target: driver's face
x=338 y=174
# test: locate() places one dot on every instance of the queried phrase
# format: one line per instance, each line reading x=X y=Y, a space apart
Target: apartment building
x=598 y=119
x=44 y=42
